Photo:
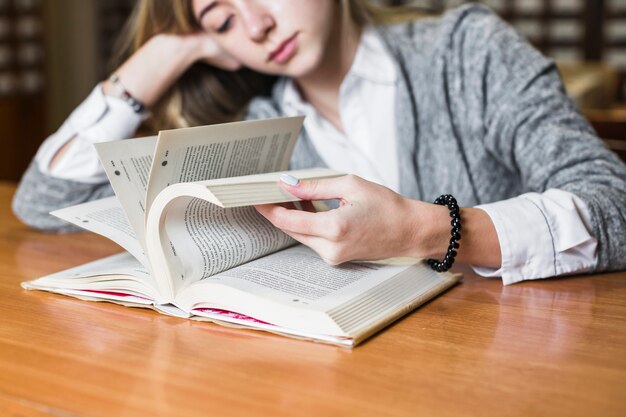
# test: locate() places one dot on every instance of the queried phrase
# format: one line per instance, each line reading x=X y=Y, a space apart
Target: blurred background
x=53 y=52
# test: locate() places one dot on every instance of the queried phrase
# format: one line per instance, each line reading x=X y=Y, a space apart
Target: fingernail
x=289 y=179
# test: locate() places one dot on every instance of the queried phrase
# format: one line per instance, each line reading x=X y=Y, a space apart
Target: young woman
x=457 y=105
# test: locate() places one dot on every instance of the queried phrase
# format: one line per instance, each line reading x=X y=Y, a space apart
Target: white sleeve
x=541 y=235
x=100 y=118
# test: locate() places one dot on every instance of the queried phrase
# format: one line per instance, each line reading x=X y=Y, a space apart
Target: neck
x=321 y=87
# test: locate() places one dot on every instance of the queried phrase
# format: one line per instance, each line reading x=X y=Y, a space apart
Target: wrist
x=190 y=48
x=146 y=76
x=429 y=228
x=480 y=245
x=114 y=84
x=181 y=49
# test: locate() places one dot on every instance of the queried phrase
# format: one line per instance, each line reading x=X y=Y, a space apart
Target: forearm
x=146 y=75
x=531 y=236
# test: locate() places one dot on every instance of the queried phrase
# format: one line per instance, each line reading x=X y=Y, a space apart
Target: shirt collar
x=373 y=61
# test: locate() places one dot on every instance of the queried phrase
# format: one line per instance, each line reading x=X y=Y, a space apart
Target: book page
x=260 y=189
x=220 y=151
x=247 y=190
x=117 y=277
x=107 y=218
x=204 y=239
x=127 y=165
x=295 y=289
x=298 y=276
x=190 y=235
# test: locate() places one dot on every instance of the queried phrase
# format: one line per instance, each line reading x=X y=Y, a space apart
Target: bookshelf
x=22 y=83
x=570 y=31
x=114 y=14
x=52 y=53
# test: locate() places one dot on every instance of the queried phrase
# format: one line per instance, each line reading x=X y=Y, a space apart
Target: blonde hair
x=205 y=94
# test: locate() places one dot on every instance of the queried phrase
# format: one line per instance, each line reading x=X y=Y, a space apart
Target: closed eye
x=226 y=25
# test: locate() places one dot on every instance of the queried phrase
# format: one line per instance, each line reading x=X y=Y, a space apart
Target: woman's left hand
x=372 y=222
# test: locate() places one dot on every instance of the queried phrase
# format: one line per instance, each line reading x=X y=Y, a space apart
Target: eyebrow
x=205 y=10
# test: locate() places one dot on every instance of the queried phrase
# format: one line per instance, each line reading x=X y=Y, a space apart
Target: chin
x=302 y=64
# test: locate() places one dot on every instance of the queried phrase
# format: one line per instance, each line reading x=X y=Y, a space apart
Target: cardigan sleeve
x=38 y=194
x=531 y=126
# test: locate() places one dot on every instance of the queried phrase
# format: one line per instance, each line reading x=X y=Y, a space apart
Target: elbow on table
x=30 y=212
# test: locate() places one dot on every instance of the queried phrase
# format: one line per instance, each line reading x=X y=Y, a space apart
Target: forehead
x=202 y=7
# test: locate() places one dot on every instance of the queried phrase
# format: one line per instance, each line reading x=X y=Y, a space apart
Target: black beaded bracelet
x=455 y=233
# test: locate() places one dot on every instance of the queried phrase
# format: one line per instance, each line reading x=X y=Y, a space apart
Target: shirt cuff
x=541 y=235
x=99 y=118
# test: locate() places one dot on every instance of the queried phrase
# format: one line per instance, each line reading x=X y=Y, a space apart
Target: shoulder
x=467 y=41
x=474 y=19
x=465 y=28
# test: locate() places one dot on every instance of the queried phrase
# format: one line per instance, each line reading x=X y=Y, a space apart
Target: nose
x=257 y=19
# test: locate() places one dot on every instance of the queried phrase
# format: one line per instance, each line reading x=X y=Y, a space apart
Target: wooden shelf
x=22 y=85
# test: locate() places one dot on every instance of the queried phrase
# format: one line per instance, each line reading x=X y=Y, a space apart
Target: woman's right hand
x=154 y=67
x=210 y=52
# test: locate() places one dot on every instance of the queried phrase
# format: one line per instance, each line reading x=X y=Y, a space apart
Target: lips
x=284 y=51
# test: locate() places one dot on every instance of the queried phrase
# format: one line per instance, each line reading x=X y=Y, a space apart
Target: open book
x=197 y=248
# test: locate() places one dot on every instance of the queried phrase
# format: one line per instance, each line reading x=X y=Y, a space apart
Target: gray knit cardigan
x=480 y=115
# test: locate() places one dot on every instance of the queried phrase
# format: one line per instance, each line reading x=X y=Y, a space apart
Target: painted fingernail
x=289 y=179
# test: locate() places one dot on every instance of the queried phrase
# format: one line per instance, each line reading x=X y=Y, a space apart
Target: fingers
x=227 y=63
x=283 y=219
x=329 y=232
x=325 y=189
x=331 y=253
x=327 y=225
x=212 y=53
x=296 y=221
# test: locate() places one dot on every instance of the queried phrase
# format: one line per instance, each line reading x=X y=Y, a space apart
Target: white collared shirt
x=540 y=235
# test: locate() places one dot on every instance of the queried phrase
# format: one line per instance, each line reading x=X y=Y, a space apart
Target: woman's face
x=280 y=37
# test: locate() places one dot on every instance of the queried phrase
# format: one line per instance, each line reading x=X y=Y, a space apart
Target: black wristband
x=455 y=233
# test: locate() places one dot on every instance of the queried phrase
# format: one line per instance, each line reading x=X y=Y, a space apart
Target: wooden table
x=550 y=348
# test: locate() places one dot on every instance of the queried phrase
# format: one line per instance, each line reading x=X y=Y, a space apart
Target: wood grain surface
x=548 y=348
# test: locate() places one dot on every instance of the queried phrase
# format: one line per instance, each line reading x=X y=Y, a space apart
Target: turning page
x=107 y=218
x=191 y=235
x=206 y=239
x=220 y=151
x=127 y=165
